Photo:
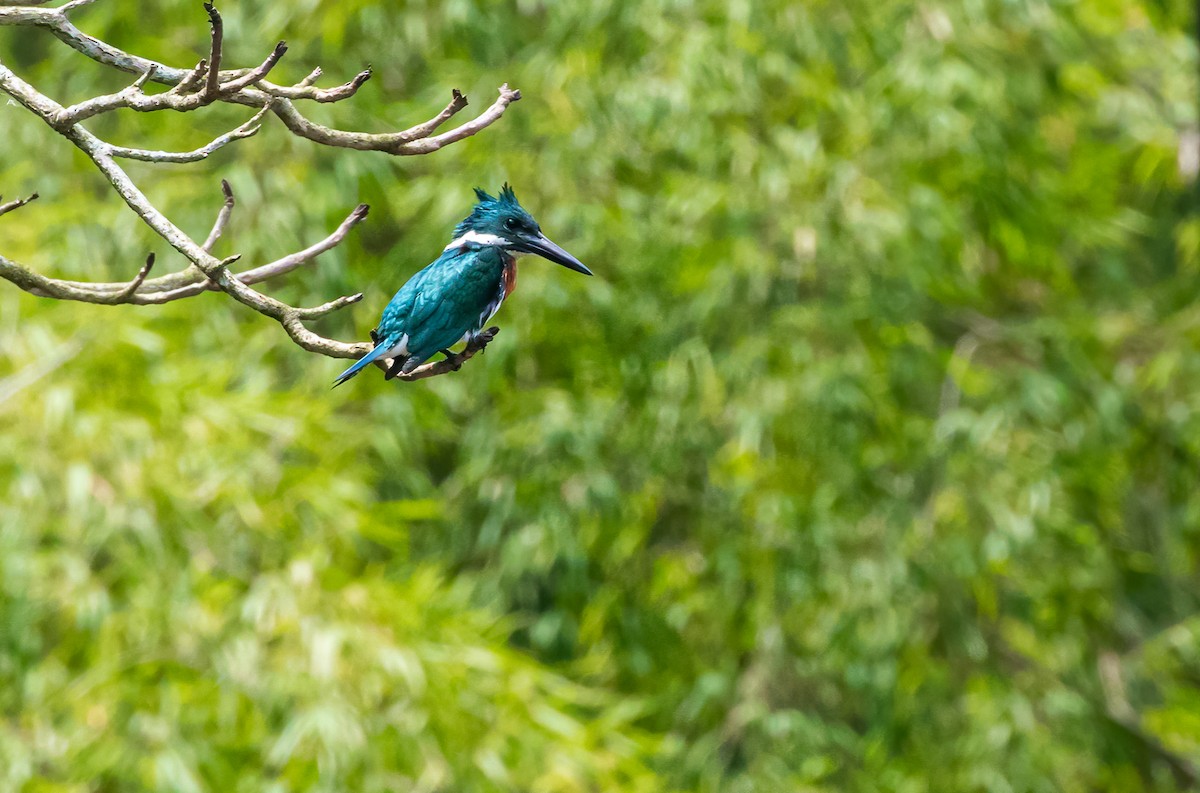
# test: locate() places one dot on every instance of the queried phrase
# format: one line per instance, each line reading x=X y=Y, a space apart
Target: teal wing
x=446 y=300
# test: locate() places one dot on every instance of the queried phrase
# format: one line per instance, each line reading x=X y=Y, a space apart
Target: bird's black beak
x=548 y=250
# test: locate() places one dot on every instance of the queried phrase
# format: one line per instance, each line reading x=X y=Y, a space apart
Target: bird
x=458 y=292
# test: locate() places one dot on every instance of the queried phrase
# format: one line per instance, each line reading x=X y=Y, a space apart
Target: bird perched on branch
x=454 y=297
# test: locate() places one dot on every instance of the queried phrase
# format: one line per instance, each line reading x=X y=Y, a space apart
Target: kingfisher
x=456 y=294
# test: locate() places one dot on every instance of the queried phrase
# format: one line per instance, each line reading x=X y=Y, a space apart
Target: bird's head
x=505 y=223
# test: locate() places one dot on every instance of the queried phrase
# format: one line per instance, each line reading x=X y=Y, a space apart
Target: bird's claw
x=484 y=338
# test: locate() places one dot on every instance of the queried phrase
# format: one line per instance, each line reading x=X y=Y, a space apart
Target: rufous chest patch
x=510 y=276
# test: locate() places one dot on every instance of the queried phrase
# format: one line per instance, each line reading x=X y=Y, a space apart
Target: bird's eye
x=510 y=224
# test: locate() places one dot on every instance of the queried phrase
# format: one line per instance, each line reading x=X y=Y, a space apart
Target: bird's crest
x=507 y=196
x=490 y=208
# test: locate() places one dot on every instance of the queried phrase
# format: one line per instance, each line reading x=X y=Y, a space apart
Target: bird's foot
x=483 y=338
x=454 y=358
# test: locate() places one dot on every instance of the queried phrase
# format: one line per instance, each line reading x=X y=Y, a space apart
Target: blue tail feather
x=379 y=351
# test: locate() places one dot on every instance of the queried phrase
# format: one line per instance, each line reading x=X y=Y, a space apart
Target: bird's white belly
x=399 y=348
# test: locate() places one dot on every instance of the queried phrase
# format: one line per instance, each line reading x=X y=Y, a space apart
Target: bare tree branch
x=56 y=22
x=258 y=96
x=191 y=89
x=266 y=271
x=43 y=286
x=134 y=97
x=192 y=281
x=408 y=142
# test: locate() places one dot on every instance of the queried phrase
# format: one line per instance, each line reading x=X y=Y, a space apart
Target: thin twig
x=17 y=204
x=257 y=73
x=222 y=217
x=192 y=78
x=128 y=291
x=310 y=79
x=294 y=260
x=305 y=90
x=427 y=128
x=217 y=27
x=246 y=130
x=316 y=312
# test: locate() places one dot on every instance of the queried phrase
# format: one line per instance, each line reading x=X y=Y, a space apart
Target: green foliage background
x=867 y=463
